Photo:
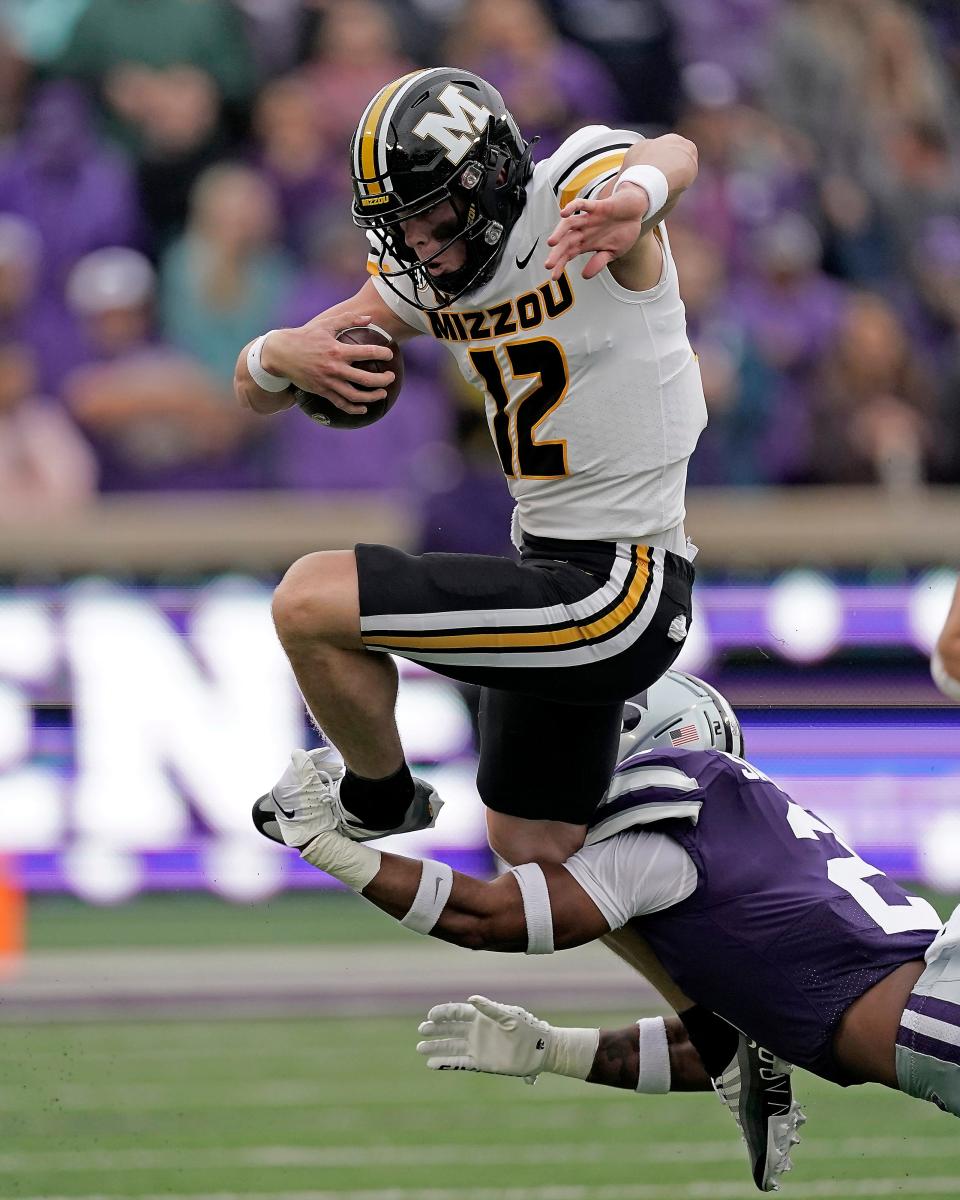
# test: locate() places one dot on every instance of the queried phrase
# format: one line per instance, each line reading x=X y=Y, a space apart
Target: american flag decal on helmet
x=684 y=735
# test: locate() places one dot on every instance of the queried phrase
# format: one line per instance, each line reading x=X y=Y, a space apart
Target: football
x=325 y=412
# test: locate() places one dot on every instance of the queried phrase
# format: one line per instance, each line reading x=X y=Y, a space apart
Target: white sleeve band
x=351 y=862
x=436 y=883
x=652 y=180
x=536 y=908
x=653 y=1077
x=258 y=373
x=945 y=682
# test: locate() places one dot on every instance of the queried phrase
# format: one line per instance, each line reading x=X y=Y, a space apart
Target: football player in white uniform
x=554 y=288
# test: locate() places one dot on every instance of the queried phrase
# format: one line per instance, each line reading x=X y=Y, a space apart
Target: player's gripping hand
x=483 y=1035
x=314 y=360
x=604 y=229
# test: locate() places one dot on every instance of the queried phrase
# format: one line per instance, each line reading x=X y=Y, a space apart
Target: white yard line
x=862 y=1189
x=452 y=1154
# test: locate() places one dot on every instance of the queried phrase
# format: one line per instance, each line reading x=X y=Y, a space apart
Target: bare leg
x=518 y=840
x=350 y=691
x=948 y=643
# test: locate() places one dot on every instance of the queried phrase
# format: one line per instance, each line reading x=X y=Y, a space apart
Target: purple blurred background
x=173 y=181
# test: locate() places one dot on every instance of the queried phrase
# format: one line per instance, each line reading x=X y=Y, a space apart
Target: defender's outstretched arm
x=502 y=1039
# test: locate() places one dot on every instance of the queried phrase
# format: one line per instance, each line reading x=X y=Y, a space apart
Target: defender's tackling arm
x=533 y=909
x=530 y=909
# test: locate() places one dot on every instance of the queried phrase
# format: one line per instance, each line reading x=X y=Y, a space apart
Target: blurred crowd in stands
x=174 y=180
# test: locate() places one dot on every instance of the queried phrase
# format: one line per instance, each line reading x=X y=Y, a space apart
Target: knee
x=316 y=599
x=517 y=840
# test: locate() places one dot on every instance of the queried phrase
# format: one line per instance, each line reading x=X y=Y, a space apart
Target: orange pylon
x=12 y=913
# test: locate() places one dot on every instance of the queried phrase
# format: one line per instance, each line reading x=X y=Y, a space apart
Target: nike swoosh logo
x=282 y=810
x=522 y=262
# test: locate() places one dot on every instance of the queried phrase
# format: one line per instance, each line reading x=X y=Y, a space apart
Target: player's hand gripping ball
x=325 y=412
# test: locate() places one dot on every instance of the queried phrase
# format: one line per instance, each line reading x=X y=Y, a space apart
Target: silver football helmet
x=679 y=711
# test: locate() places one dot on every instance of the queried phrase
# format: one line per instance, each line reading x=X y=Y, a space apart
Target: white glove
x=483 y=1035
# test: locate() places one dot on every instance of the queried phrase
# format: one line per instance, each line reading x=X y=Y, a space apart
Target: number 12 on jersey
x=517 y=418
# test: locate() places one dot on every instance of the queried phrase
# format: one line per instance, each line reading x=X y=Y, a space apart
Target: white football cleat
x=756 y=1089
x=305 y=802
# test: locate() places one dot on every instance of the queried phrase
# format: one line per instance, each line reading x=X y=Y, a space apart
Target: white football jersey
x=593 y=394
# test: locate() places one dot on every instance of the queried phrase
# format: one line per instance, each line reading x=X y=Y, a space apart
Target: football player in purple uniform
x=728 y=879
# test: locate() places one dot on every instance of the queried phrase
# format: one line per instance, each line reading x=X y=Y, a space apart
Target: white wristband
x=652 y=180
x=571 y=1052
x=258 y=373
x=436 y=883
x=944 y=681
x=536 y=908
x=351 y=862
x=653 y=1075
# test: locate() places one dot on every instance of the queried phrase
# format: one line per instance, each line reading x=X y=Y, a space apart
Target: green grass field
x=343 y=1109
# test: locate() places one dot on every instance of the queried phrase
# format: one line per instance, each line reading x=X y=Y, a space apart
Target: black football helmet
x=435 y=135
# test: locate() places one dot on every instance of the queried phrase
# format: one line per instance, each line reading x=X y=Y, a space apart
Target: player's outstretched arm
x=530 y=909
x=612 y=227
x=311 y=357
x=945 y=664
x=654 y=1055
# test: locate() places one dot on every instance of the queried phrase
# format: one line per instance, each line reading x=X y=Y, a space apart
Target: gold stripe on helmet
x=368 y=135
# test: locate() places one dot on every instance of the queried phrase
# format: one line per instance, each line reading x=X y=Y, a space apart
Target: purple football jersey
x=787 y=925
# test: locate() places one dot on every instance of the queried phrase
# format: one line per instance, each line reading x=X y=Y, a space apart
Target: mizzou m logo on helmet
x=458 y=128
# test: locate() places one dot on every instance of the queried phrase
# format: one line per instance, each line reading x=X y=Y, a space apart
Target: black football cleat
x=756 y=1088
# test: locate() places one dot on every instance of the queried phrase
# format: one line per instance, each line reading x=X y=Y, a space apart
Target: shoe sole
x=754 y=1108
x=265 y=819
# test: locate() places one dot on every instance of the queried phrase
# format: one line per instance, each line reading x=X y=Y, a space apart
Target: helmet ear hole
x=470 y=176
